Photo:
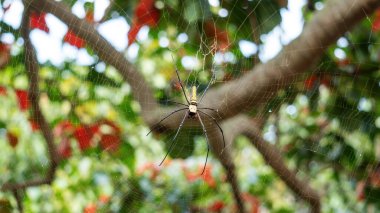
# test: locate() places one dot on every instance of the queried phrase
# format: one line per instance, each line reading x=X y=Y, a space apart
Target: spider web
x=326 y=132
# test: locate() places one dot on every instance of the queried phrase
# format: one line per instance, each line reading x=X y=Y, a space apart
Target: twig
x=255 y=35
x=32 y=68
x=18 y=197
x=226 y=160
x=244 y=125
x=107 y=11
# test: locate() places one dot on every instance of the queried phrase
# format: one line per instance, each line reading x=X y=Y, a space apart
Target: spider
x=191 y=113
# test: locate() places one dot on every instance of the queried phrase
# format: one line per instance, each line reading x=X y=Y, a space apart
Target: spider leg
x=175 y=136
x=208 y=145
x=169 y=101
x=208 y=86
x=220 y=128
x=154 y=126
x=183 y=90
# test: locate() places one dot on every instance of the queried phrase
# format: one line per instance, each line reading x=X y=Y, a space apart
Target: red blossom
x=110 y=142
x=5 y=54
x=23 y=101
x=360 y=190
x=155 y=170
x=375 y=178
x=104 y=199
x=132 y=34
x=376 y=22
x=206 y=176
x=34 y=125
x=253 y=201
x=310 y=82
x=74 y=40
x=64 y=148
x=145 y=14
x=110 y=135
x=83 y=134
x=90 y=208
x=217 y=206
x=3 y=90
x=12 y=139
x=37 y=21
x=219 y=36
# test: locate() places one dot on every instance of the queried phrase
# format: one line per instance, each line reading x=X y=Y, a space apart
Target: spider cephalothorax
x=192 y=112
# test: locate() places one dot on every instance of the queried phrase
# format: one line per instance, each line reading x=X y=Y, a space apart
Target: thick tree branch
x=32 y=68
x=224 y=157
x=242 y=124
x=263 y=82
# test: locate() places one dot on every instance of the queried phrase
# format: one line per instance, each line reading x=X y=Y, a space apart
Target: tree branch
x=262 y=83
x=32 y=68
x=242 y=124
x=224 y=157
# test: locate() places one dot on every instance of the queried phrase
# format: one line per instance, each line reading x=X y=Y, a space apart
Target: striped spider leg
x=192 y=112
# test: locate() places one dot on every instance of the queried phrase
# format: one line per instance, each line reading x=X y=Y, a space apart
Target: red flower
x=90 y=16
x=310 y=82
x=34 y=125
x=145 y=14
x=219 y=36
x=253 y=201
x=109 y=135
x=149 y=167
x=74 y=40
x=132 y=34
x=375 y=178
x=5 y=54
x=3 y=90
x=64 y=128
x=64 y=148
x=217 y=206
x=376 y=22
x=37 y=21
x=110 y=142
x=90 y=208
x=83 y=134
x=12 y=139
x=104 y=199
x=360 y=190
x=208 y=178
x=23 y=101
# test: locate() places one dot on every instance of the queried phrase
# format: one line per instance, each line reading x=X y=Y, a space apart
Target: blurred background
x=325 y=123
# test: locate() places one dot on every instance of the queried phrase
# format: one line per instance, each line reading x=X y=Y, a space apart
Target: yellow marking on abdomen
x=193 y=94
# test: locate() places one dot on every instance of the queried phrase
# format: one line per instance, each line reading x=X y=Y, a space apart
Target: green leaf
x=267 y=14
x=184 y=144
x=133 y=200
x=98 y=78
x=126 y=109
x=5 y=206
x=127 y=154
x=196 y=10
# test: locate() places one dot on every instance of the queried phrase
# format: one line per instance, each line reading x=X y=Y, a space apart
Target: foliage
x=327 y=126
